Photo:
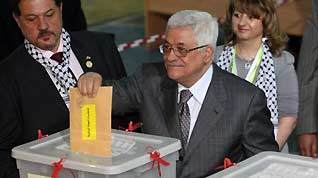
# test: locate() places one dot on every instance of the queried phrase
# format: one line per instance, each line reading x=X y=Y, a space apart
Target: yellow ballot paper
x=90 y=122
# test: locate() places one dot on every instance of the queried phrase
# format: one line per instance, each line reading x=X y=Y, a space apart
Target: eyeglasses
x=178 y=51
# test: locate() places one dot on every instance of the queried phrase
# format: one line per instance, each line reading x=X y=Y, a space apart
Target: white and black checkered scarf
x=61 y=73
x=266 y=79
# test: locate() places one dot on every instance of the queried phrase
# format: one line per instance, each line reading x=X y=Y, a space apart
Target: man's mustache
x=44 y=33
x=175 y=62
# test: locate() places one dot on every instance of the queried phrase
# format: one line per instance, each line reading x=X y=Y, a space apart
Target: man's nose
x=171 y=55
x=42 y=24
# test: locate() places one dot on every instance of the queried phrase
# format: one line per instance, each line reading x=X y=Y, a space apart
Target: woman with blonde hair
x=255 y=51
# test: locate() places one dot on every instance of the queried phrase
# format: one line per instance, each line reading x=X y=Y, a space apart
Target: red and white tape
x=157 y=37
x=139 y=42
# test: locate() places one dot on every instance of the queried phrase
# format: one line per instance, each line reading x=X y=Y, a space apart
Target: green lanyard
x=252 y=72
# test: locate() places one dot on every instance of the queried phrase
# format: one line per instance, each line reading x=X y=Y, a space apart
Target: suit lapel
x=43 y=81
x=210 y=113
x=83 y=55
x=168 y=104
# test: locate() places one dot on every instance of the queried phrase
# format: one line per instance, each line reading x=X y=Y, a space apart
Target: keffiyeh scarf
x=61 y=72
x=266 y=79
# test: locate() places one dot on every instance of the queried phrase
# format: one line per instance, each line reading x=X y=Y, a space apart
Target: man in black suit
x=34 y=87
x=11 y=36
x=222 y=115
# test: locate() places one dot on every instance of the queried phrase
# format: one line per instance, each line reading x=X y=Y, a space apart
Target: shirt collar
x=200 y=88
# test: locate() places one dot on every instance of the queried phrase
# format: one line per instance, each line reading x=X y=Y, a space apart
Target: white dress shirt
x=198 y=90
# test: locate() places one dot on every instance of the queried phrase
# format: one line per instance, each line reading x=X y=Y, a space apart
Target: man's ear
x=16 y=18
x=208 y=53
x=61 y=8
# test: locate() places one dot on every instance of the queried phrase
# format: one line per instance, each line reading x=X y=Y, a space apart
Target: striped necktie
x=184 y=116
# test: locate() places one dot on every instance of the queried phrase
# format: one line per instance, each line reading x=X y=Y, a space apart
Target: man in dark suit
x=307 y=124
x=11 y=36
x=214 y=113
x=34 y=87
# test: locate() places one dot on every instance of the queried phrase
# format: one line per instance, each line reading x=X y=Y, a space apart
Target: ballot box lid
x=129 y=150
x=272 y=165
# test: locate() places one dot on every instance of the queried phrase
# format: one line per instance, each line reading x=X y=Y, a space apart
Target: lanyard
x=252 y=72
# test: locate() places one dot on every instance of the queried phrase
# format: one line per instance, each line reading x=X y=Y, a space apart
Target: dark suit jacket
x=307 y=72
x=29 y=99
x=233 y=122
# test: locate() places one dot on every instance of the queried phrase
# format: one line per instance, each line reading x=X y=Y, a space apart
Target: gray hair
x=204 y=26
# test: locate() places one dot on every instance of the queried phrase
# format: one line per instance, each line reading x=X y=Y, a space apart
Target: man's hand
x=307 y=144
x=89 y=83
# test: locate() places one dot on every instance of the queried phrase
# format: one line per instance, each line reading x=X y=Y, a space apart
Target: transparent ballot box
x=272 y=165
x=130 y=157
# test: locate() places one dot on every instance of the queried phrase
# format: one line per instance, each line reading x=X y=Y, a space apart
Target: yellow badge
x=88 y=62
